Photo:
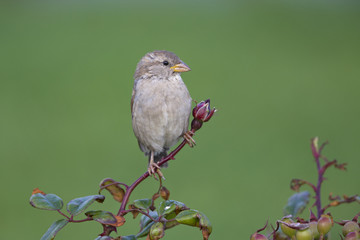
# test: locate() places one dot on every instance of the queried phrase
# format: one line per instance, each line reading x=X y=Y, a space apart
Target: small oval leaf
x=142 y=203
x=78 y=205
x=188 y=217
x=54 y=229
x=145 y=231
x=164 y=193
x=114 y=189
x=119 y=221
x=169 y=206
x=297 y=203
x=103 y=217
x=145 y=220
x=196 y=219
x=46 y=202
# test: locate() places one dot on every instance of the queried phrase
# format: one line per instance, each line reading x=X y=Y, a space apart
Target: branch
x=339 y=202
x=201 y=113
x=146 y=175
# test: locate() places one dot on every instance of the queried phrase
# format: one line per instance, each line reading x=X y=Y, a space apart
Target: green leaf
x=170 y=224
x=297 y=203
x=46 y=202
x=78 y=205
x=169 y=206
x=142 y=203
x=196 y=219
x=103 y=217
x=205 y=225
x=129 y=237
x=188 y=217
x=145 y=220
x=54 y=229
x=145 y=231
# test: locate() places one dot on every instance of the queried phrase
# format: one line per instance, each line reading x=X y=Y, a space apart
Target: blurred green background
x=280 y=73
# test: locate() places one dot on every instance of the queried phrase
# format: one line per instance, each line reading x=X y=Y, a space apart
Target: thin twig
x=63 y=214
x=339 y=202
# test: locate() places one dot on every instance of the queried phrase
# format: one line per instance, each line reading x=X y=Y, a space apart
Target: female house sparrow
x=160 y=105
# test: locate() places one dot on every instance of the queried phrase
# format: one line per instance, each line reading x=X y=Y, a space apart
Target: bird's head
x=161 y=64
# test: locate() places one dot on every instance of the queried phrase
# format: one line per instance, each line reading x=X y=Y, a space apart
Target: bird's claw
x=154 y=169
x=189 y=140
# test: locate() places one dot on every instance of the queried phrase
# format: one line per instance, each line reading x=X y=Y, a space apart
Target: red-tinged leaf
x=341 y=166
x=46 y=202
x=54 y=229
x=295 y=225
x=134 y=213
x=164 y=193
x=36 y=190
x=103 y=217
x=78 y=205
x=119 y=221
x=114 y=189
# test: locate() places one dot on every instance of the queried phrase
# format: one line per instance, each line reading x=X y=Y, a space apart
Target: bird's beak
x=181 y=67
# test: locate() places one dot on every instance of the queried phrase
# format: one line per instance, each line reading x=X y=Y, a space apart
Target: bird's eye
x=165 y=63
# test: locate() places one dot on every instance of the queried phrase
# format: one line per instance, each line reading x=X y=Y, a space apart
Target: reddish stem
x=80 y=221
x=146 y=174
x=318 y=187
x=321 y=170
x=63 y=214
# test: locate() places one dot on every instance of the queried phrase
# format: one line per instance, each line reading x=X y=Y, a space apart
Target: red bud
x=202 y=111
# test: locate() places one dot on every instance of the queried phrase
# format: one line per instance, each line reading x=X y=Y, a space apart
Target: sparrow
x=160 y=106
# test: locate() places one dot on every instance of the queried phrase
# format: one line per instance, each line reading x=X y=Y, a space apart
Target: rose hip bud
x=350 y=227
x=352 y=236
x=305 y=234
x=325 y=223
x=313 y=228
x=157 y=231
x=258 y=236
x=287 y=230
x=202 y=111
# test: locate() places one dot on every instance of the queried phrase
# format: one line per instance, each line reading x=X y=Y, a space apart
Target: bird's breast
x=161 y=112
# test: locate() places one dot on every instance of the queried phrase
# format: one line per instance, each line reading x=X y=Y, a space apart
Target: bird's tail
x=159 y=156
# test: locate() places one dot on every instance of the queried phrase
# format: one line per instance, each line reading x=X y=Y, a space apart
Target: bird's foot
x=188 y=137
x=154 y=169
